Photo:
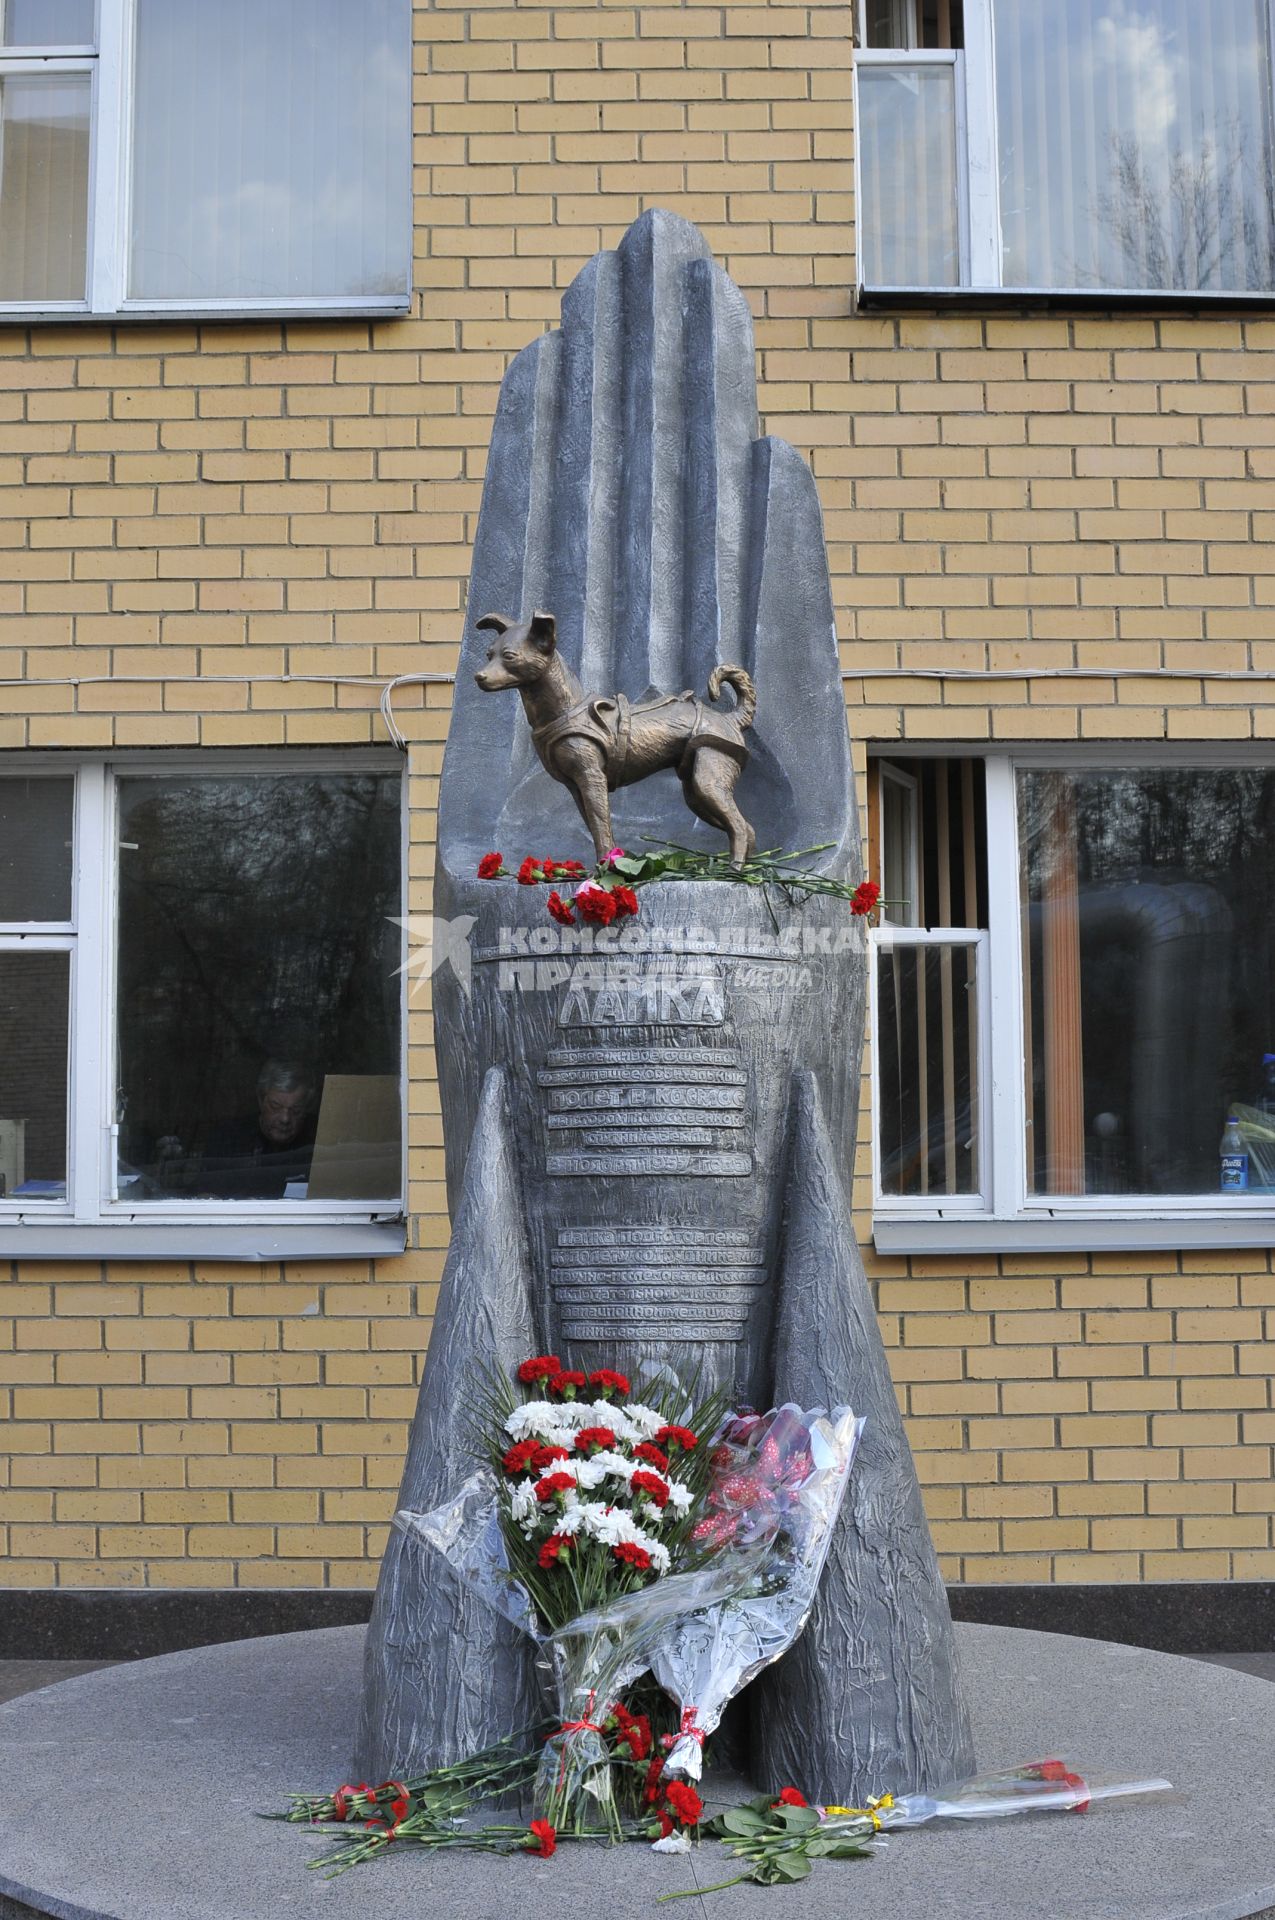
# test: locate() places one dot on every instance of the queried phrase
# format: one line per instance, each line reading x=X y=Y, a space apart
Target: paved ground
x=213 y=1734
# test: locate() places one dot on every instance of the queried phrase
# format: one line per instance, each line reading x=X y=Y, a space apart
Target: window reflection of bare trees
x=254 y=922
x=1194 y=220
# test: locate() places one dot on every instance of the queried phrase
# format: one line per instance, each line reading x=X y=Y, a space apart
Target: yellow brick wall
x=189 y=515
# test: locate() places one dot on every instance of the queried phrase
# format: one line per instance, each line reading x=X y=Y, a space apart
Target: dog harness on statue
x=607 y=721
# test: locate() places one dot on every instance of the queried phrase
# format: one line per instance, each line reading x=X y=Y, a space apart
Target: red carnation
x=542 y=1367
x=651 y=1785
x=638 y=1735
x=865 y=897
x=684 y=1801
x=573 y=869
x=645 y=1451
x=626 y=903
x=543 y=1456
x=1050 y=1770
x=650 y=1483
x=595 y=903
x=553 y=1550
x=590 y=1439
x=629 y=1554
x=607 y=1381
x=666 y=1825
x=677 y=1437
x=566 y=1384
x=560 y=911
x=519 y=1458
x=529 y=874
x=489 y=867
x=789 y=1797
x=553 y=1483
x=545 y=1836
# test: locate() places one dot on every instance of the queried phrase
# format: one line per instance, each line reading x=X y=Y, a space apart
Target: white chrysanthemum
x=523 y=1502
x=614 y=1527
x=602 y=1413
x=645 y=1420
x=533 y=1417
x=679 y=1496
x=613 y=1463
x=569 y=1523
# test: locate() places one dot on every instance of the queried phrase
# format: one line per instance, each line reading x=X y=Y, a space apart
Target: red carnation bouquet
x=575 y=1527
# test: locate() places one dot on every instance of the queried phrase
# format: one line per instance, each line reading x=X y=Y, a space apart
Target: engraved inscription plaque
x=698 y=1284
x=618 y=1123
x=695 y=1163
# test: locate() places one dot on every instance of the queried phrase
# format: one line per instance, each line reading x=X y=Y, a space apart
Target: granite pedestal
x=130 y=1793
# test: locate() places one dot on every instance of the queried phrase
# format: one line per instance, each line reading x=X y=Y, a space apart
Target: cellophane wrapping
x=777 y=1485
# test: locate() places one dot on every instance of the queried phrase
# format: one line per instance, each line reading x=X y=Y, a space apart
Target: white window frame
x=978 y=176
x=93 y=1216
x=893 y=775
x=1007 y=1217
x=973 y=1206
x=110 y=65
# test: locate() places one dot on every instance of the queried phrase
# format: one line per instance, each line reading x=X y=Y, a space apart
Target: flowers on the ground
x=542 y=1838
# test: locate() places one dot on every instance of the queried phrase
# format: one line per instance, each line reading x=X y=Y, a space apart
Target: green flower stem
x=690 y=1893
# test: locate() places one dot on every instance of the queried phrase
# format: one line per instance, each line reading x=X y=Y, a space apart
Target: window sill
x=1072 y=1233
x=74 y=1240
x=1036 y=299
x=374 y=307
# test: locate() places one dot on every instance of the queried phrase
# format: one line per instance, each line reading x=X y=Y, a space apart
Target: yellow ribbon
x=873 y=1811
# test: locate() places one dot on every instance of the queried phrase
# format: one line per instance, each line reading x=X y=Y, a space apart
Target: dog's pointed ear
x=494 y=623
x=543 y=629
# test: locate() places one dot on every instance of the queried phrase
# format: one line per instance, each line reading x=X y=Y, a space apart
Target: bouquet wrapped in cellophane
x=602 y=1524
x=780 y=1837
x=776 y=1482
x=1037 y=1786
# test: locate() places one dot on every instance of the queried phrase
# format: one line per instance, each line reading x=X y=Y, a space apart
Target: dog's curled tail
x=745 y=691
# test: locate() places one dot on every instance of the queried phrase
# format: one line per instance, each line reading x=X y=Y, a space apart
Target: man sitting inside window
x=266 y=1155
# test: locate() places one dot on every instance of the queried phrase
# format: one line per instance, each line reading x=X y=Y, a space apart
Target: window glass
x=907 y=194
x=258 y=997
x=35 y=849
x=44 y=185
x=46 y=23
x=271 y=149
x=927 y=1069
x=34 y=1010
x=1135 y=144
x=898 y=848
x=1149 y=938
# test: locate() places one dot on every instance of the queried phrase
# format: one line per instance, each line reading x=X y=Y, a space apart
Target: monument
x=650 y=1138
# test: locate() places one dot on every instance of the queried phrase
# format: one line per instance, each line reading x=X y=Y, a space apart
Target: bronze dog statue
x=594 y=744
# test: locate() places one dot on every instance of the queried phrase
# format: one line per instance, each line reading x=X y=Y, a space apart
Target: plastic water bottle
x=1234 y=1158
